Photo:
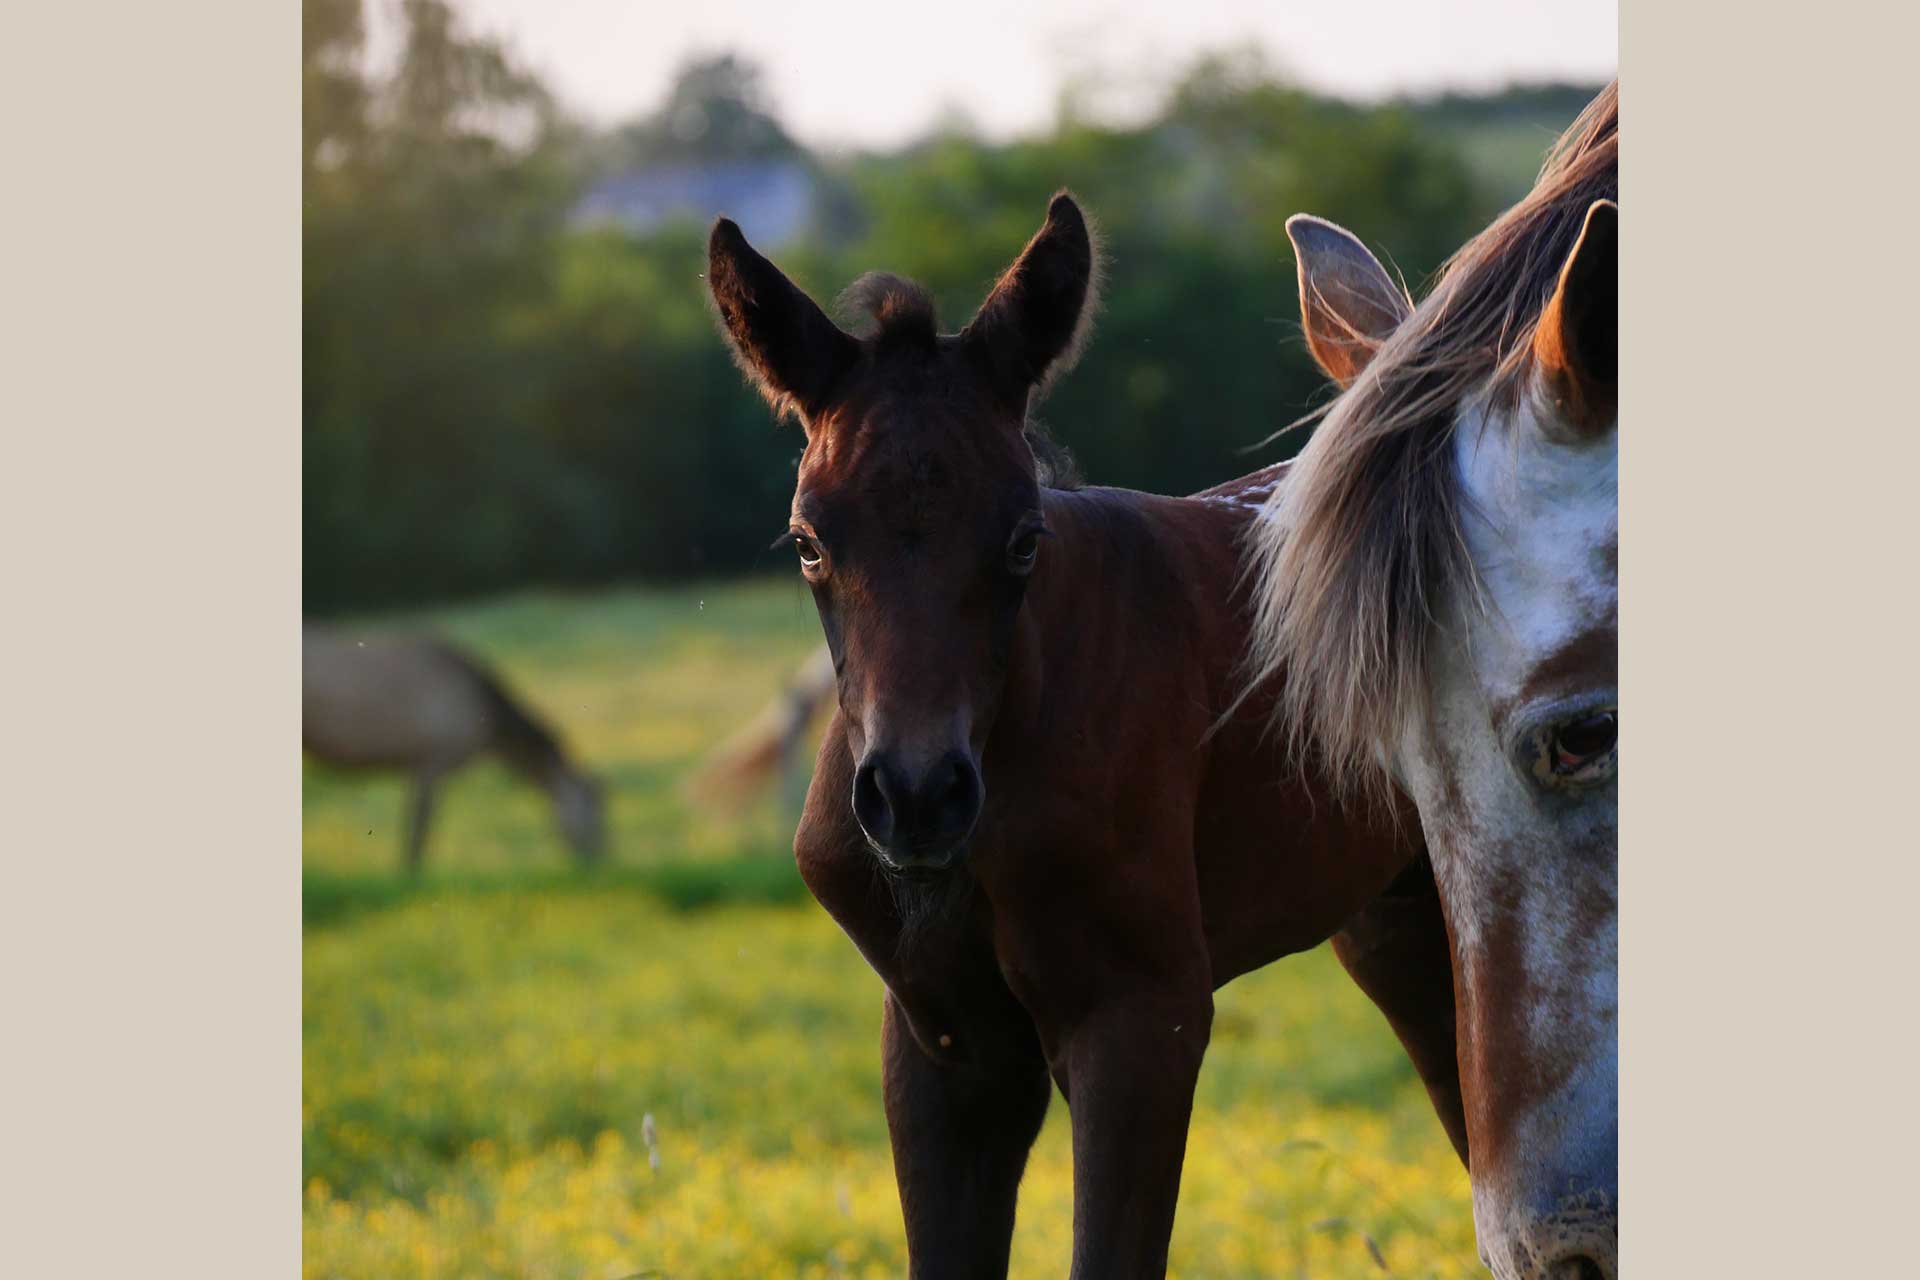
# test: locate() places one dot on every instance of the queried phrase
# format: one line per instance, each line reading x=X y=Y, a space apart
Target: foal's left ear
x=1030 y=328
x=1577 y=344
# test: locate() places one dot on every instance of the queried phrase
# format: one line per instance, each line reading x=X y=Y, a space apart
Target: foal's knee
x=1148 y=1033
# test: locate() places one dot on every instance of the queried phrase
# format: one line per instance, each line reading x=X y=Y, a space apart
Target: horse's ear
x=1030 y=328
x=783 y=342
x=1577 y=344
x=1349 y=305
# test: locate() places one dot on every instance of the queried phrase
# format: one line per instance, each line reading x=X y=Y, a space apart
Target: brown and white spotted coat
x=1526 y=858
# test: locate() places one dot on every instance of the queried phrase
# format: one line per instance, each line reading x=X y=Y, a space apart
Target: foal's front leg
x=1106 y=947
x=962 y=1117
x=1129 y=1070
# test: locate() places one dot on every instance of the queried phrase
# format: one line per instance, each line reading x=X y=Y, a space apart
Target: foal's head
x=916 y=518
x=1440 y=587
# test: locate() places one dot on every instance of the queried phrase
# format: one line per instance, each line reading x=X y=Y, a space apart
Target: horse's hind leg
x=1396 y=951
x=962 y=1118
x=419 y=818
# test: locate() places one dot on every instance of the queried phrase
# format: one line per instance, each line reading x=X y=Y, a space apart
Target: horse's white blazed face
x=1513 y=766
x=1514 y=778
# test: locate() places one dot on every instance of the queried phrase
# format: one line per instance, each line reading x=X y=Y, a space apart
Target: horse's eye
x=1024 y=549
x=809 y=550
x=1583 y=748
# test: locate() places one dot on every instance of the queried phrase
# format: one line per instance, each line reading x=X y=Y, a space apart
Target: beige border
x=150 y=927
x=150 y=924
x=1769 y=894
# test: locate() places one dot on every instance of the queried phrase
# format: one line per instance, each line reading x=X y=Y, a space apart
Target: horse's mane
x=1053 y=464
x=1362 y=547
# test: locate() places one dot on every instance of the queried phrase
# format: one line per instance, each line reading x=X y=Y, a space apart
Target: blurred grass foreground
x=670 y=1065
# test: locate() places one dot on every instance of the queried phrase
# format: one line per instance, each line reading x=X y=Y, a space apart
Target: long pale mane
x=1361 y=550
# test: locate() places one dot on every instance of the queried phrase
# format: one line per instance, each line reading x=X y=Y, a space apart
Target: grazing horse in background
x=767 y=747
x=1034 y=812
x=1438 y=582
x=421 y=707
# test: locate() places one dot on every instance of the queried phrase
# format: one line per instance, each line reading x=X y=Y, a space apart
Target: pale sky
x=874 y=73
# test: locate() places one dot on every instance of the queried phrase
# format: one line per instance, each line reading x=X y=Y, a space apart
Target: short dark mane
x=884 y=308
x=1054 y=466
x=1363 y=548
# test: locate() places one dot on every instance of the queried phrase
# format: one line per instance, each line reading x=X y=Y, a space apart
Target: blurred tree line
x=497 y=394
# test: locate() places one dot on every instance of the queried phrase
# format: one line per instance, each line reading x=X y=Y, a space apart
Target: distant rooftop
x=772 y=200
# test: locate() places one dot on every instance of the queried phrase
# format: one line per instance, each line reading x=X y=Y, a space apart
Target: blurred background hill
x=511 y=377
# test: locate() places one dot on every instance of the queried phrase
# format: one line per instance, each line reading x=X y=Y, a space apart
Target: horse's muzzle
x=1571 y=1234
x=917 y=819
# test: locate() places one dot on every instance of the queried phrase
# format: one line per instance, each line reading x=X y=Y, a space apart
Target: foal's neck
x=1142 y=588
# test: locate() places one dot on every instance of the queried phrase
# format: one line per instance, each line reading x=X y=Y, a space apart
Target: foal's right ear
x=1349 y=305
x=781 y=340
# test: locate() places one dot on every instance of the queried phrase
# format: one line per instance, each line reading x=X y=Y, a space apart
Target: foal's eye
x=809 y=550
x=1580 y=750
x=1024 y=550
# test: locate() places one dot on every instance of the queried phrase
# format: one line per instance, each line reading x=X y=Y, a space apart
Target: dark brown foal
x=1028 y=813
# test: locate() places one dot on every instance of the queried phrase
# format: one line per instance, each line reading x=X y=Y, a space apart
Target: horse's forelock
x=887 y=308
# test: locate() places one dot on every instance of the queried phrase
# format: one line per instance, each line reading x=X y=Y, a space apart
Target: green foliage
x=1195 y=357
x=495 y=397
x=1503 y=137
x=432 y=202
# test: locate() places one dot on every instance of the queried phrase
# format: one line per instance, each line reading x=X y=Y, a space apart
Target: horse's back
x=1281 y=861
x=388 y=702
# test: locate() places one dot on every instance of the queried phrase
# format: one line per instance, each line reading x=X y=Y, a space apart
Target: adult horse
x=1438 y=583
x=418 y=706
x=1037 y=812
x=768 y=747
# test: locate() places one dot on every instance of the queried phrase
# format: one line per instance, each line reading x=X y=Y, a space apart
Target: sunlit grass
x=482 y=1051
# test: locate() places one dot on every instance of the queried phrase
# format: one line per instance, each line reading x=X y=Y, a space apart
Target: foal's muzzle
x=917 y=819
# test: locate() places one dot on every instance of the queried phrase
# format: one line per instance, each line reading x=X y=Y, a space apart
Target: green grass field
x=669 y=1066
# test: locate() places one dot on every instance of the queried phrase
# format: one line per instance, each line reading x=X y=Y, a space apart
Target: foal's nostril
x=872 y=803
x=1582 y=1268
x=953 y=795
